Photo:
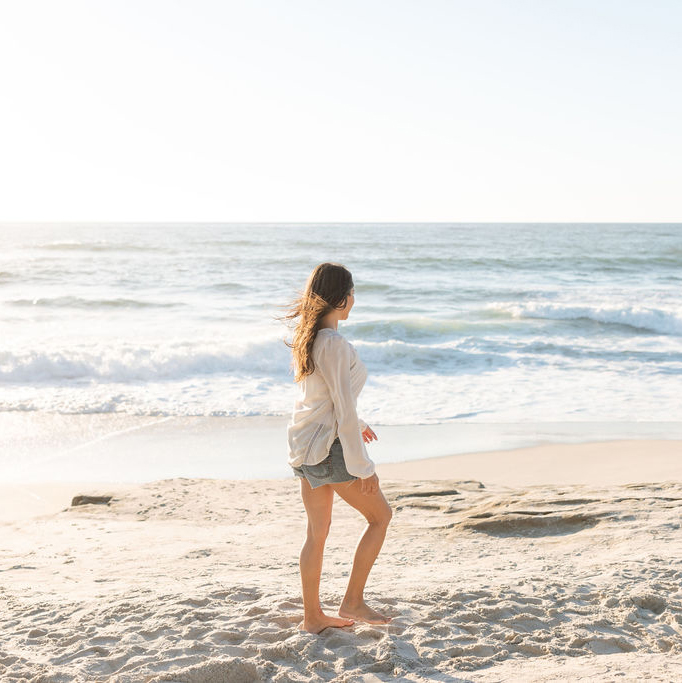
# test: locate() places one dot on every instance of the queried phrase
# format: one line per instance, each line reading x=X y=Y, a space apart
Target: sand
x=612 y=462
x=492 y=571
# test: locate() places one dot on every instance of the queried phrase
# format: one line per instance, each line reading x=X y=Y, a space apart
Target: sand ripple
x=197 y=581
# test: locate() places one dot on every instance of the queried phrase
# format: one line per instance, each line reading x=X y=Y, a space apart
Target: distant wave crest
x=79 y=302
x=265 y=359
x=416 y=328
x=637 y=317
x=76 y=245
x=142 y=364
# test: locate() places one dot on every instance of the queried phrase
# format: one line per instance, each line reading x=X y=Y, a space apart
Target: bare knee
x=381 y=518
x=317 y=533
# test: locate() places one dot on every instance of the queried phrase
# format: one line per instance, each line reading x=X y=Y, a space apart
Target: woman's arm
x=334 y=366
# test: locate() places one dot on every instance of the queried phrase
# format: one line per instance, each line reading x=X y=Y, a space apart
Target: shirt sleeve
x=334 y=366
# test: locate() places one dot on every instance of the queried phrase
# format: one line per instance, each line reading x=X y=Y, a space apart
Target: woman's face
x=350 y=300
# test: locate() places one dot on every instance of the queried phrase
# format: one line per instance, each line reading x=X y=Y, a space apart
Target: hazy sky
x=341 y=110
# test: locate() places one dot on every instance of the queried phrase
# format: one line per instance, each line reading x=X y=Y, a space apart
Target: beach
x=523 y=383
x=492 y=570
x=448 y=233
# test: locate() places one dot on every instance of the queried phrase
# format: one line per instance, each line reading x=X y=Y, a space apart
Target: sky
x=341 y=110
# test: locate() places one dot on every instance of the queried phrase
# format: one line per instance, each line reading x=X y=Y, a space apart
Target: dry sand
x=491 y=573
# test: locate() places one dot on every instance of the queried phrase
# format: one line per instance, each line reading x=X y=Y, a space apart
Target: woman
x=327 y=443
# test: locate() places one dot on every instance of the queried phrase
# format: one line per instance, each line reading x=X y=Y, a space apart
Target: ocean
x=455 y=322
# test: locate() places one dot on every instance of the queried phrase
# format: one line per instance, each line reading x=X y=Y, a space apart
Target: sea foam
x=660 y=321
x=454 y=321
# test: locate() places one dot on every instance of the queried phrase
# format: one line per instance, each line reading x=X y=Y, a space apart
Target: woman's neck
x=331 y=323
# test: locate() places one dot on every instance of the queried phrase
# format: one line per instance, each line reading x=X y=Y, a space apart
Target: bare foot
x=322 y=621
x=362 y=612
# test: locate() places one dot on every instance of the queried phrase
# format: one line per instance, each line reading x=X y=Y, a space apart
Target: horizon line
x=327 y=222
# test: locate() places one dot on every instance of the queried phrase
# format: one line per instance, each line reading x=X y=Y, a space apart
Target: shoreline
x=606 y=463
x=114 y=447
x=609 y=463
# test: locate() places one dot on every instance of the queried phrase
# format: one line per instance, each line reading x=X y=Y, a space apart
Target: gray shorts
x=332 y=470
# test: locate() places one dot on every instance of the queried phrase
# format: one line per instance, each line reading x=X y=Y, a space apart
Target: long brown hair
x=327 y=288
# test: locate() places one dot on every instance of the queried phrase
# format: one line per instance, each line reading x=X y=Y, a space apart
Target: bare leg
x=318 y=504
x=378 y=513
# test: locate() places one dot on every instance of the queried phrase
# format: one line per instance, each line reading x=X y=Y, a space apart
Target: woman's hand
x=370 y=485
x=369 y=435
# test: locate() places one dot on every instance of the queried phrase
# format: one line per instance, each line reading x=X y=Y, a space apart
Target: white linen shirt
x=326 y=408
